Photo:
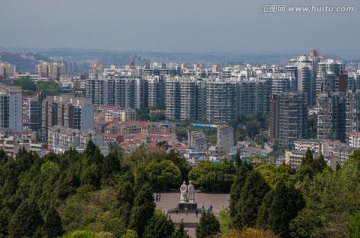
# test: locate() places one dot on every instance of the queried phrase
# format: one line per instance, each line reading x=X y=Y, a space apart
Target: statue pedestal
x=188 y=205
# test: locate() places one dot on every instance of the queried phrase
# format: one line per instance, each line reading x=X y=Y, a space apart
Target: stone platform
x=188 y=205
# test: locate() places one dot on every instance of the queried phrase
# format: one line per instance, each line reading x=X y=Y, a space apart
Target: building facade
x=68 y=112
x=288 y=117
x=11 y=108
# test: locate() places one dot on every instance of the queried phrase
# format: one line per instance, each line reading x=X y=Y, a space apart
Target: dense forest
x=90 y=195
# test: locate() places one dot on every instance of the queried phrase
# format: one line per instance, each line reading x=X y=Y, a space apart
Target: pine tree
x=142 y=179
x=26 y=221
x=90 y=149
x=125 y=198
x=308 y=157
x=285 y=205
x=142 y=209
x=208 y=226
x=180 y=232
x=319 y=164
x=159 y=226
x=263 y=213
x=252 y=195
x=111 y=165
x=238 y=161
x=53 y=226
x=5 y=215
x=241 y=173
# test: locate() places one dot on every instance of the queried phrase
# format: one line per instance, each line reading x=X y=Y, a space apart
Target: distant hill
x=24 y=62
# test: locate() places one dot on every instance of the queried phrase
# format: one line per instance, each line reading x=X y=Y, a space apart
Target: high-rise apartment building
x=221 y=100
x=156 y=91
x=52 y=70
x=34 y=113
x=331 y=76
x=11 y=108
x=288 y=117
x=331 y=116
x=68 y=112
x=172 y=99
x=7 y=71
x=304 y=70
x=253 y=96
x=352 y=123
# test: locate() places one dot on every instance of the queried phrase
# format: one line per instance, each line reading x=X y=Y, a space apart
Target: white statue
x=191 y=192
x=183 y=192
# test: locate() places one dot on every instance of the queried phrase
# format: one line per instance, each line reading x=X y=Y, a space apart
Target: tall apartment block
x=331 y=116
x=304 y=70
x=185 y=98
x=280 y=82
x=52 y=70
x=331 y=76
x=221 y=100
x=352 y=123
x=225 y=137
x=156 y=91
x=115 y=90
x=35 y=113
x=253 y=96
x=68 y=112
x=11 y=108
x=7 y=71
x=172 y=99
x=288 y=117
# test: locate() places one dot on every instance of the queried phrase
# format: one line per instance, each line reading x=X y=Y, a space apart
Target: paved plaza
x=171 y=200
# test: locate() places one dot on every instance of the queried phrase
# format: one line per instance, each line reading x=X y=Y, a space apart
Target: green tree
x=130 y=234
x=5 y=215
x=111 y=165
x=312 y=126
x=142 y=209
x=354 y=225
x=180 y=232
x=53 y=226
x=306 y=224
x=159 y=226
x=142 y=114
x=26 y=84
x=308 y=157
x=252 y=195
x=242 y=170
x=26 y=221
x=181 y=163
x=163 y=174
x=274 y=174
x=208 y=226
x=125 y=199
x=50 y=88
x=80 y=234
x=157 y=116
x=279 y=209
x=211 y=176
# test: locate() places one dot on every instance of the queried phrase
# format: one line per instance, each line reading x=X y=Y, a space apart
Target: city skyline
x=195 y=26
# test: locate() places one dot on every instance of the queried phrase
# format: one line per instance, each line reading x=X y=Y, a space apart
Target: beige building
x=294 y=158
x=61 y=139
x=225 y=137
x=96 y=68
x=53 y=70
x=7 y=71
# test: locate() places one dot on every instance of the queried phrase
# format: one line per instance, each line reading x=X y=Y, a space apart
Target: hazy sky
x=176 y=26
